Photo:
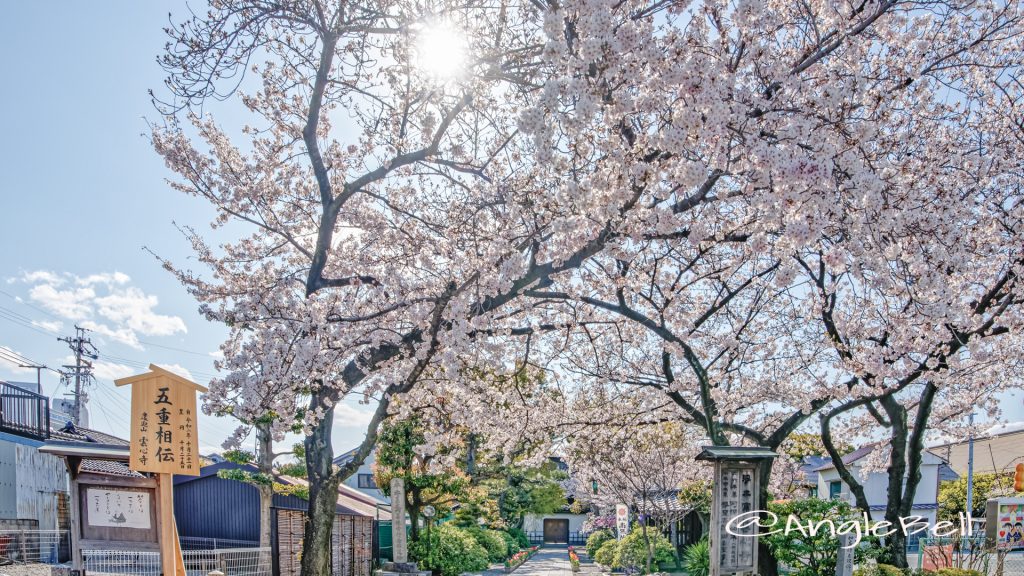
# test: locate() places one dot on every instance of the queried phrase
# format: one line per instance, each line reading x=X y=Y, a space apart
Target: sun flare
x=441 y=51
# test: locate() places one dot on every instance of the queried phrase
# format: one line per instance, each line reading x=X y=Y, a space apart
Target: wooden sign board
x=164 y=425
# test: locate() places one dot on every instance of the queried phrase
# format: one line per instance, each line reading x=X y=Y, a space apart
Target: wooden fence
x=351 y=544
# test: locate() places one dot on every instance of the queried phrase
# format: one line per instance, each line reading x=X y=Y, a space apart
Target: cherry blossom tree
x=668 y=193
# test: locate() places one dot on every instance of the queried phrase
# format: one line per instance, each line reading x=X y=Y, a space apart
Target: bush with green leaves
x=608 y=554
x=697 y=558
x=632 y=550
x=521 y=538
x=492 y=541
x=880 y=570
x=597 y=539
x=511 y=544
x=813 y=551
x=450 y=551
x=957 y=572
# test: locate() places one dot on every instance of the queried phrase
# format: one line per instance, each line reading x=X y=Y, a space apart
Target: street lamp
x=428 y=513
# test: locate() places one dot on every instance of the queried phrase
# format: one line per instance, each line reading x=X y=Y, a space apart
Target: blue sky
x=83 y=192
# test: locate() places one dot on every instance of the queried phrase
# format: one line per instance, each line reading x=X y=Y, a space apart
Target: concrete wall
x=535 y=523
x=30 y=482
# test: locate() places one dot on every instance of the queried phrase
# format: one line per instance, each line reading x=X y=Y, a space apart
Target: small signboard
x=1004 y=523
x=735 y=494
x=119 y=508
x=622 y=520
x=736 y=491
x=164 y=437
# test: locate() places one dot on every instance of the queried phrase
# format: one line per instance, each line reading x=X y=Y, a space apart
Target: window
x=366 y=481
x=812 y=492
x=835 y=488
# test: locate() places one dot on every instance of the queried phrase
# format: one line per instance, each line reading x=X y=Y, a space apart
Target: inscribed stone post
x=398 y=536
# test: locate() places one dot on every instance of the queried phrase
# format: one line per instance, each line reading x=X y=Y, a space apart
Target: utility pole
x=970 y=468
x=39 y=375
x=81 y=370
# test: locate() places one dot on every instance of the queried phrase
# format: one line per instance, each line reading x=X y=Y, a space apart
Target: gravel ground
x=25 y=570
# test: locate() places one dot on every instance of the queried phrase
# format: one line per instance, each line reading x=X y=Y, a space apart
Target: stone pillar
x=400 y=547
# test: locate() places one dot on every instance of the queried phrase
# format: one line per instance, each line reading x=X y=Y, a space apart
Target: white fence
x=230 y=561
x=967 y=553
x=53 y=547
x=33 y=546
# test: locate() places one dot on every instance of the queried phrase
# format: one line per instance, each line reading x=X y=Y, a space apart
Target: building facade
x=876 y=482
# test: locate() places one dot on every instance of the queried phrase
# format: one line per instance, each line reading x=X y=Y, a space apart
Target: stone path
x=547 y=562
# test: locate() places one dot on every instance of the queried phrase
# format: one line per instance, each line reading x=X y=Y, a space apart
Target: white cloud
x=13 y=367
x=38 y=276
x=353 y=416
x=108 y=278
x=179 y=370
x=111 y=371
x=51 y=325
x=72 y=304
x=105 y=303
x=134 y=308
x=122 y=335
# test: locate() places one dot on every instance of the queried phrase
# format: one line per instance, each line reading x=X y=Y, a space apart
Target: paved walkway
x=546 y=562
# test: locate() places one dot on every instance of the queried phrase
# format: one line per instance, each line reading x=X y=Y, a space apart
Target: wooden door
x=556 y=531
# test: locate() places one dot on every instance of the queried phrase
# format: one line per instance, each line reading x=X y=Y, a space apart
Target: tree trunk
x=766 y=563
x=266 y=501
x=647 y=545
x=323 y=496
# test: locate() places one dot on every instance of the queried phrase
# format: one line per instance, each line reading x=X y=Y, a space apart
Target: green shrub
x=492 y=541
x=880 y=570
x=521 y=538
x=596 y=540
x=633 y=549
x=956 y=572
x=697 y=558
x=452 y=551
x=607 y=554
x=814 y=554
x=511 y=544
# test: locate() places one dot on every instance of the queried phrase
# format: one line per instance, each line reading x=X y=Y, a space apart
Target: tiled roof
x=108 y=467
x=811 y=465
x=852 y=456
x=662 y=503
x=72 y=433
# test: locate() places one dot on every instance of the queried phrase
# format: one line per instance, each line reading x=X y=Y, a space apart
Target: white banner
x=622 y=519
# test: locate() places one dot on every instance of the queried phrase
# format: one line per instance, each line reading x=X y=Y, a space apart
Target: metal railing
x=121 y=562
x=201 y=543
x=33 y=546
x=230 y=561
x=972 y=553
x=23 y=412
x=575 y=538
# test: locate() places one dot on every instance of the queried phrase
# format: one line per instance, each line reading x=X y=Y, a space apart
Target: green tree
x=953 y=494
x=814 y=552
x=397 y=457
x=519 y=491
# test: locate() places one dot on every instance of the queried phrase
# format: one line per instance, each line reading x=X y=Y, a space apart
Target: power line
x=20 y=301
x=15 y=318
x=51 y=315
x=29 y=323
